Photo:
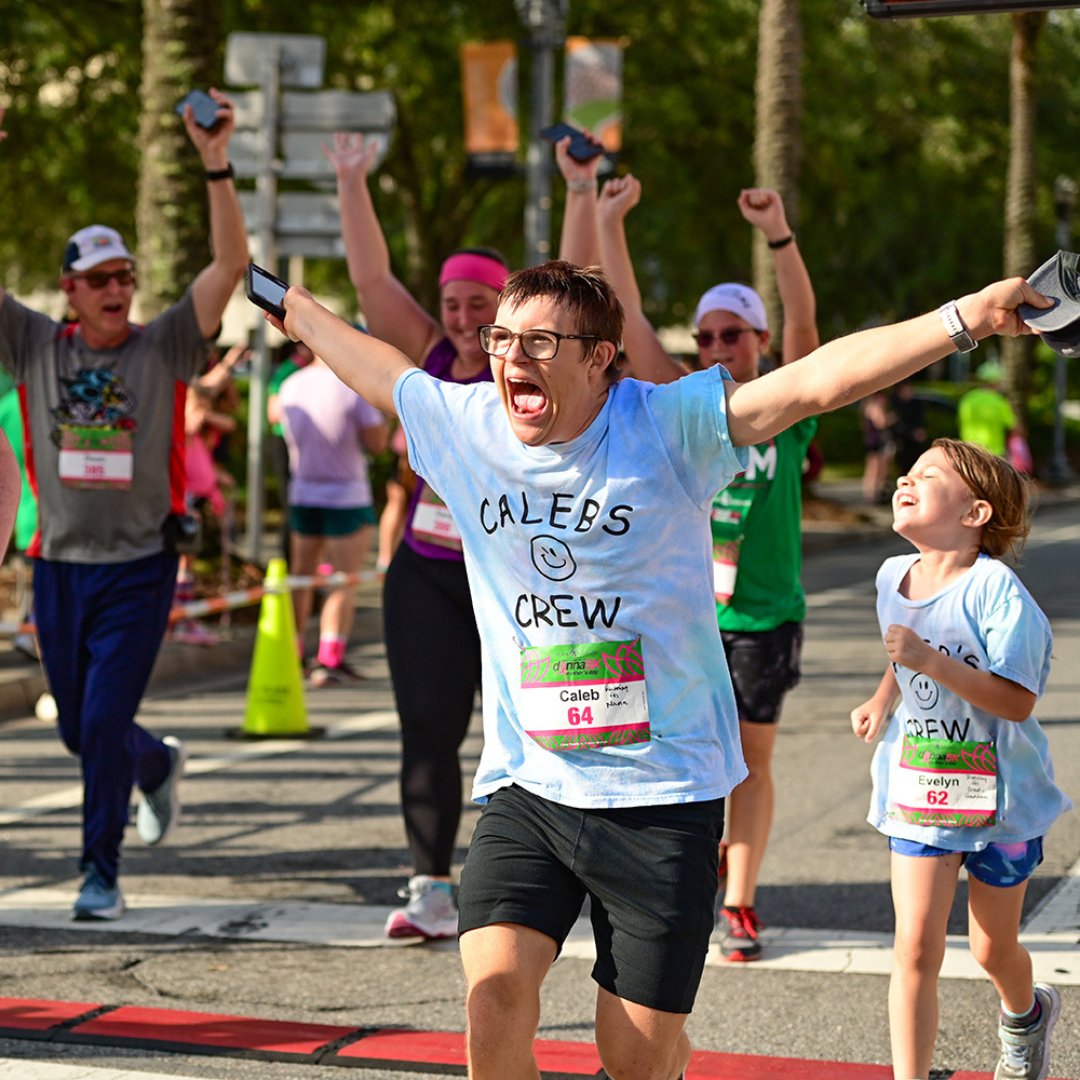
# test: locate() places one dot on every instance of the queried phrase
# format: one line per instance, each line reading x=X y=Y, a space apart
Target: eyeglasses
x=705 y=338
x=535 y=344
x=98 y=279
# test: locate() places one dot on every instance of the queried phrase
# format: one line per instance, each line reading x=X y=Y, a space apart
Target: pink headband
x=468 y=266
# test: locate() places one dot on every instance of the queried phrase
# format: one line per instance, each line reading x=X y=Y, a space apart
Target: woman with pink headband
x=432 y=644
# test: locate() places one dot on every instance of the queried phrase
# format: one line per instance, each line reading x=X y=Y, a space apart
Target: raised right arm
x=362 y=361
x=646 y=358
x=392 y=313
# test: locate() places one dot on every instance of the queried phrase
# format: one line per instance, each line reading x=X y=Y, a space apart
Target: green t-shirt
x=767 y=590
x=985 y=416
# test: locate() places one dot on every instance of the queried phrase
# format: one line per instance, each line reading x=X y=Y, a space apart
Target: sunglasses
x=98 y=279
x=706 y=338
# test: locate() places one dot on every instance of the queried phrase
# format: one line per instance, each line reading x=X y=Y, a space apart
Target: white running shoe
x=159 y=810
x=430 y=913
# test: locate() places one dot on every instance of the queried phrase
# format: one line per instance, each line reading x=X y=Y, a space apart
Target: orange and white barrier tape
x=238 y=598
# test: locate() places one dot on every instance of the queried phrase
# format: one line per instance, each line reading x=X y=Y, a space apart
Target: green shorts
x=329 y=520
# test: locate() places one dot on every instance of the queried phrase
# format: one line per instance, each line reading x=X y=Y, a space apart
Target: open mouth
x=526 y=398
x=904 y=499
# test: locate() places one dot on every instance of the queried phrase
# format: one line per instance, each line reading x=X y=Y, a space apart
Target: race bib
x=578 y=697
x=432 y=522
x=725 y=569
x=942 y=783
x=94 y=457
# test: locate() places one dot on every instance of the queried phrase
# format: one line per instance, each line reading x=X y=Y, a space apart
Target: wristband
x=581 y=185
x=776 y=245
x=220 y=174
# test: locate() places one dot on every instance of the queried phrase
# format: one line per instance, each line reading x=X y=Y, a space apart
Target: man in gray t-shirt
x=103 y=400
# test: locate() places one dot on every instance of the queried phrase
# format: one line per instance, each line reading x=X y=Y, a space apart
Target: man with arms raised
x=611 y=733
x=104 y=401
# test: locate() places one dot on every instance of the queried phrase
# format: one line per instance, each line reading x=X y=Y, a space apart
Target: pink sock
x=331 y=651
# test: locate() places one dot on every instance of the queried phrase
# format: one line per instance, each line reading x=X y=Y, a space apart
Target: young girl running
x=963 y=776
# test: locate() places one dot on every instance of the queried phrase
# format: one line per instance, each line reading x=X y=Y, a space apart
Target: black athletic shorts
x=764 y=666
x=649 y=871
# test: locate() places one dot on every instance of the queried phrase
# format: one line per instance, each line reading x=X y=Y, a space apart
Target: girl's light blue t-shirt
x=603 y=539
x=987 y=619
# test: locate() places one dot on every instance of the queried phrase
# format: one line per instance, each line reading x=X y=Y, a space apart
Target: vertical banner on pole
x=593 y=90
x=489 y=89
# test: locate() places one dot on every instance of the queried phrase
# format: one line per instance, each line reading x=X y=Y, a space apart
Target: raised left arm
x=849 y=368
x=228 y=237
x=764 y=209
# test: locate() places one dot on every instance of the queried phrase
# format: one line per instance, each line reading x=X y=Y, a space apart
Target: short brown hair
x=1005 y=488
x=583 y=290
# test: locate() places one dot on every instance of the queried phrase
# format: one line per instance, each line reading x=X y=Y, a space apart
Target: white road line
x=23 y=1069
x=71 y=797
x=360 y=926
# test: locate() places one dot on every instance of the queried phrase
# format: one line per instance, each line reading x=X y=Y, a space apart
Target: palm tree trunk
x=181 y=52
x=1020 y=253
x=778 y=138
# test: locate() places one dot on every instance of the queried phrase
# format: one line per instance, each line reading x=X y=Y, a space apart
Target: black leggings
x=433 y=650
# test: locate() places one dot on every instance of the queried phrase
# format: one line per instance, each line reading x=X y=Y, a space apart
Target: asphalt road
x=316 y=822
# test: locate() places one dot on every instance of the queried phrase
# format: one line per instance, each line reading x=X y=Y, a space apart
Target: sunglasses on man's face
x=706 y=338
x=98 y=279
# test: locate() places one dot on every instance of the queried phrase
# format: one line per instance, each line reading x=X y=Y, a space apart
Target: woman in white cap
x=756 y=521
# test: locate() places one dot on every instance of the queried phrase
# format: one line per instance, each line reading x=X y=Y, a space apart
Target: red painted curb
x=327 y=1044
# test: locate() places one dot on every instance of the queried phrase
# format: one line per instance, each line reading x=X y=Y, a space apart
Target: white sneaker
x=430 y=913
x=159 y=809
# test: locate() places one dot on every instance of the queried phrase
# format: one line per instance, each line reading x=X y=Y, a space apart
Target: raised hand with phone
x=578 y=155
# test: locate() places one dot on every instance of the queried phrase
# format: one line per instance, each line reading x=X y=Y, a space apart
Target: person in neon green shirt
x=984 y=415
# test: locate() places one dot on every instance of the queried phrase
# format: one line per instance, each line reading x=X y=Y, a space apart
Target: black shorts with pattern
x=764 y=666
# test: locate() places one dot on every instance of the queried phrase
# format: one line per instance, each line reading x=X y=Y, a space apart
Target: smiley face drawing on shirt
x=925 y=690
x=553 y=558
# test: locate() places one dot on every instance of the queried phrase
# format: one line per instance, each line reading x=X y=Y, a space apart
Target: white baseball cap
x=93 y=245
x=740 y=300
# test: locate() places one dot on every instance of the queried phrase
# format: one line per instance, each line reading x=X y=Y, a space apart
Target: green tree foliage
x=69 y=75
x=902 y=179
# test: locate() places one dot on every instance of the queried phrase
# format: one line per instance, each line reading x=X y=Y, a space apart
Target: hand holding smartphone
x=581 y=148
x=266 y=291
x=203 y=107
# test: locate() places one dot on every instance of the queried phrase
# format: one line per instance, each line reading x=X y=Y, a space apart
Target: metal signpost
x=545 y=21
x=279 y=134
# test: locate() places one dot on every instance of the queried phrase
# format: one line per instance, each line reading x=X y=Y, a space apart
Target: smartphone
x=265 y=290
x=580 y=148
x=203 y=106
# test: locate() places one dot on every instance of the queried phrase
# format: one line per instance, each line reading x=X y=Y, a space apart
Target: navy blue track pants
x=100 y=627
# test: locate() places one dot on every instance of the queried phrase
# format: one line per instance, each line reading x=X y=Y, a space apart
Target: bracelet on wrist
x=581 y=185
x=776 y=245
x=220 y=174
